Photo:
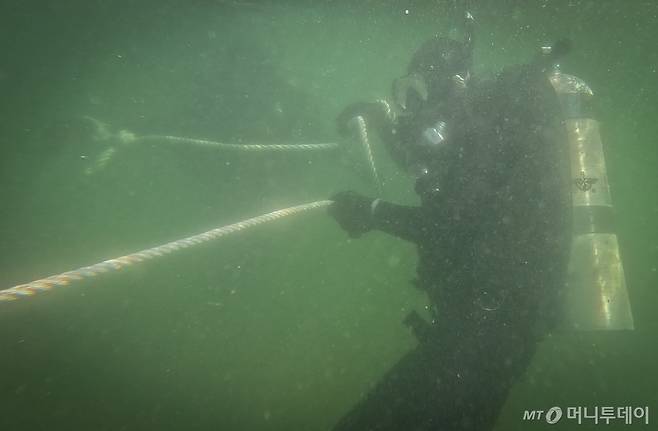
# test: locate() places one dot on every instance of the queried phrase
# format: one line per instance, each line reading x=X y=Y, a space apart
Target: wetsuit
x=492 y=233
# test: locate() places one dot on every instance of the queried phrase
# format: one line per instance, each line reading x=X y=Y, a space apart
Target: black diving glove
x=374 y=114
x=353 y=212
x=346 y=115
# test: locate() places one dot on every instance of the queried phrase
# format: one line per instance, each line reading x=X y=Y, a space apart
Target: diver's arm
x=358 y=214
x=404 y=222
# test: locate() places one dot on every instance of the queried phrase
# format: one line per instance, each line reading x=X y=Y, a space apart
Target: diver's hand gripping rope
x=46 y=284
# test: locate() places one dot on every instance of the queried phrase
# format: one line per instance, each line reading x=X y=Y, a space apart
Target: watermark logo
x=551 y=416
x=597 y=415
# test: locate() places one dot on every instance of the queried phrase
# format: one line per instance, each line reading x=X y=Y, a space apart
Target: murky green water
x=284 y=326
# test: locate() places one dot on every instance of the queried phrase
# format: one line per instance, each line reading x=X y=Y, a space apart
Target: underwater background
x=283 y=326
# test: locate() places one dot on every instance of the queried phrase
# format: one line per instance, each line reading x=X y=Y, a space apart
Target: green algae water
x=287 y=325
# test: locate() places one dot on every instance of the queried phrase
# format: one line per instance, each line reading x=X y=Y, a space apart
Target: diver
x=492 y=232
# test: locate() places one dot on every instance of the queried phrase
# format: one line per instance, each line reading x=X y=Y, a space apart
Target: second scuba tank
x=595 y=297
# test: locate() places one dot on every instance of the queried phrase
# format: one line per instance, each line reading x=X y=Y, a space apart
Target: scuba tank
x=595 y=295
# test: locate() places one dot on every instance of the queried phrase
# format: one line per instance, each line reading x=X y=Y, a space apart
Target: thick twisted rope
x=359 y=123
x=103 y=133
x=237 y=147
x=64 y=279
